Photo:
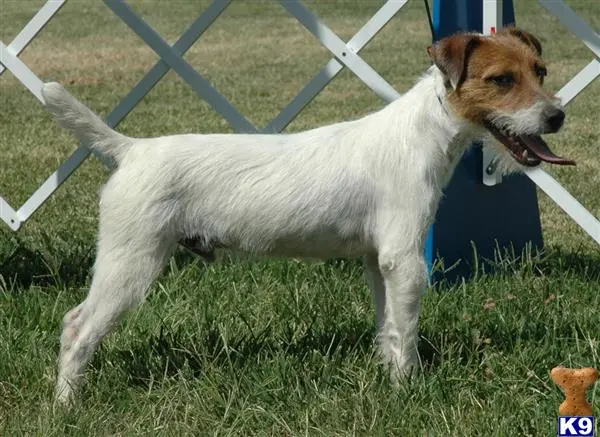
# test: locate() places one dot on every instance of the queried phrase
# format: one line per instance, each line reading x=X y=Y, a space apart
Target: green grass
x=276 y=347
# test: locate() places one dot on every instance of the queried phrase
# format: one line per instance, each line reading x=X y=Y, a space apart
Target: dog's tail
x=85 y=124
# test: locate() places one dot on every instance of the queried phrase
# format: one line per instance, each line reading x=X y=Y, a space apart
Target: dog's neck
x=436 y=83
x=442 y=96
x=448 y=133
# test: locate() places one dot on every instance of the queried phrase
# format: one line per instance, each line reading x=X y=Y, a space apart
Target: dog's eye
x=541 y=72
x=503 y=80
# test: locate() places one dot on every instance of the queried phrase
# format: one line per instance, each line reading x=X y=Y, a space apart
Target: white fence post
x=492 y=20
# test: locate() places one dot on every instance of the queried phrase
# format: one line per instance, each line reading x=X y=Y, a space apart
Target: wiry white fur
x=367 y=187
x=526 y=121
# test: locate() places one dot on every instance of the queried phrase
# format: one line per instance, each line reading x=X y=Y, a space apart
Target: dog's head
x=497 y=83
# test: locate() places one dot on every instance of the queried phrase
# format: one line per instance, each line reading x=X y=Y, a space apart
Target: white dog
x=368 y=187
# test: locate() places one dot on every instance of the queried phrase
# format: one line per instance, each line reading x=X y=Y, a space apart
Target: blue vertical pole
x=472 y=215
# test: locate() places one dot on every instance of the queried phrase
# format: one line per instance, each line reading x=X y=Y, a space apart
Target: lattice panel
x=346 y=55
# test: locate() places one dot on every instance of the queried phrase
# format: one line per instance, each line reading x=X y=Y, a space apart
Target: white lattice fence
x=9 y=59
x=575 y=86
x=492 y=15
x=345 y=55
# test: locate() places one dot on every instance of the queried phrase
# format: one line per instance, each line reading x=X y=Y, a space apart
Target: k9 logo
x=575 y=426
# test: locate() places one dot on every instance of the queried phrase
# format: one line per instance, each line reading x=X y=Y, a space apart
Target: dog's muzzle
x=531 y=150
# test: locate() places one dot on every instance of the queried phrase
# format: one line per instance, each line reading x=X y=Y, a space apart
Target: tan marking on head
x=525 y=37
x=500 y=73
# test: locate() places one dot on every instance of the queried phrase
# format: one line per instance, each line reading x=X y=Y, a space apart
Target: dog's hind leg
x=123 y=271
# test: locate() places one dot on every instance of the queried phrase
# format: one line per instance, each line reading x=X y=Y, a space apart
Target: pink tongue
x=539 y=147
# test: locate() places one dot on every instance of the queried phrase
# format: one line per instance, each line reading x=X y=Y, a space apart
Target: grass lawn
x=276 y=347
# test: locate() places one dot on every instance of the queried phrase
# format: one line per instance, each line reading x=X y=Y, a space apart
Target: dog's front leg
x=397 y=279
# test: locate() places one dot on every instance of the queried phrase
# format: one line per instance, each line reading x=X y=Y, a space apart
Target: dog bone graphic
x=574 y=383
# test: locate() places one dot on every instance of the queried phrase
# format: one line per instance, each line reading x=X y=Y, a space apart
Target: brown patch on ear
x=526 y=38
x=451 y=55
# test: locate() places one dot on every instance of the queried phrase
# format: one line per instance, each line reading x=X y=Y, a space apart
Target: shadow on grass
x=584 y=265
x=460 y=346
x=25 y=267
x=553 y=261
x=170 y=353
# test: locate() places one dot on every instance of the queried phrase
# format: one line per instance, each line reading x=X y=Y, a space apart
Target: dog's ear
x=525 y=37
x=451 y=55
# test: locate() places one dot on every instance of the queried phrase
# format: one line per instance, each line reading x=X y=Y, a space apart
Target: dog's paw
x=64 y=395
x=398 y=374
x=402 y=367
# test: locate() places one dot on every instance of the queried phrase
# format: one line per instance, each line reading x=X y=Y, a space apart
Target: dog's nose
x=555 y=120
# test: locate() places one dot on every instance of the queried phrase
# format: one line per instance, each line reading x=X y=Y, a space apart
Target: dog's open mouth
x=527 y=150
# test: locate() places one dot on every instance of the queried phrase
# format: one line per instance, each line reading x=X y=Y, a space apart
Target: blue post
x=505 y=215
